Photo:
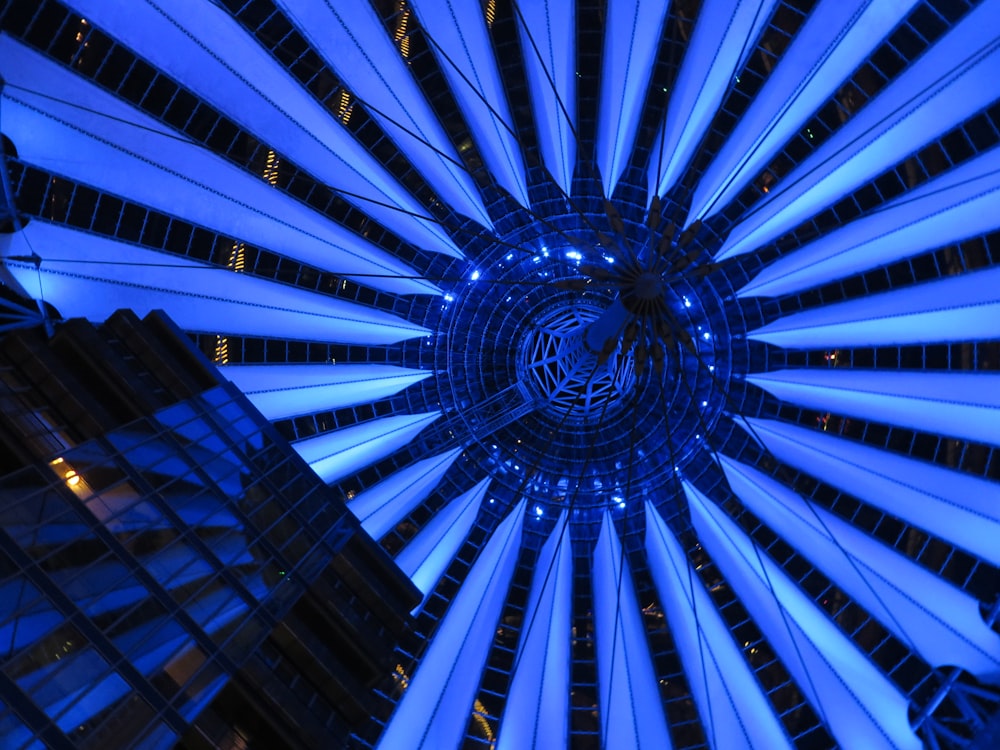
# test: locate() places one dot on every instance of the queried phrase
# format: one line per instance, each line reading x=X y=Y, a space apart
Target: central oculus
x=562 y=368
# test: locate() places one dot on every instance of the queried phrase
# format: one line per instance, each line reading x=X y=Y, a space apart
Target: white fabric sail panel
x=733 y=708
x=114 y=147
x=426 y=557
x=280 y=391
x=863 y=707
x=632 y=30
x=537 y=713
x=435 y=709
x=951 y=81
x=951 y=207
x=87 y=276
x=629 y=706
x=834 y=40
x=334 y=455
x=457 y=34
x=724 y=34
x=382 y=506
x=954 y=308
x=957 y=404
x=548 y=44
x=960 y=508
x=353 y=41
x=940 y=622
x=202 y=46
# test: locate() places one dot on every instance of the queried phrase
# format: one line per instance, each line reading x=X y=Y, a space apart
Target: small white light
x=475 y=275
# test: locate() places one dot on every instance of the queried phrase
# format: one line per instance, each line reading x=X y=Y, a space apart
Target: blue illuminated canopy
x=656 y=343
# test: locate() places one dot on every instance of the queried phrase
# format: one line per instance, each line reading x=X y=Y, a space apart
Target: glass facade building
x=181 y=580
x=656 y=342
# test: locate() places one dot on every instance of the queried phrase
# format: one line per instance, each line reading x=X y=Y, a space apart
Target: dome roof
x=657 y=342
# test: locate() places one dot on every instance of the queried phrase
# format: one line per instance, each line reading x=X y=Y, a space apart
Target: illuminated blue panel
x=353 y=41
x=429 y=553
x=211 y=611
x=122 y=510
x=548 y=46
x=951 y=81
x=115 y=147
x=280 y=391
x=158 y=457
x=632 y=30
x=631 y=710
x=172 y=567
x=89 y=589
x=724 y=35
x=382 y=506
x=947 y=209
x=26 y=616
x=88 y=276
x=180 y=565
x=861 y=706
x=66 y=689
x=435 y=709
x=334 y=455
x=955 y=308
x=958 y=404
x=458 y=36
x=537 y=711
x=957 y=507
x=202 y=46
x=72 y=679
x=937 y=620
x=834 y=40
x=734 y=710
